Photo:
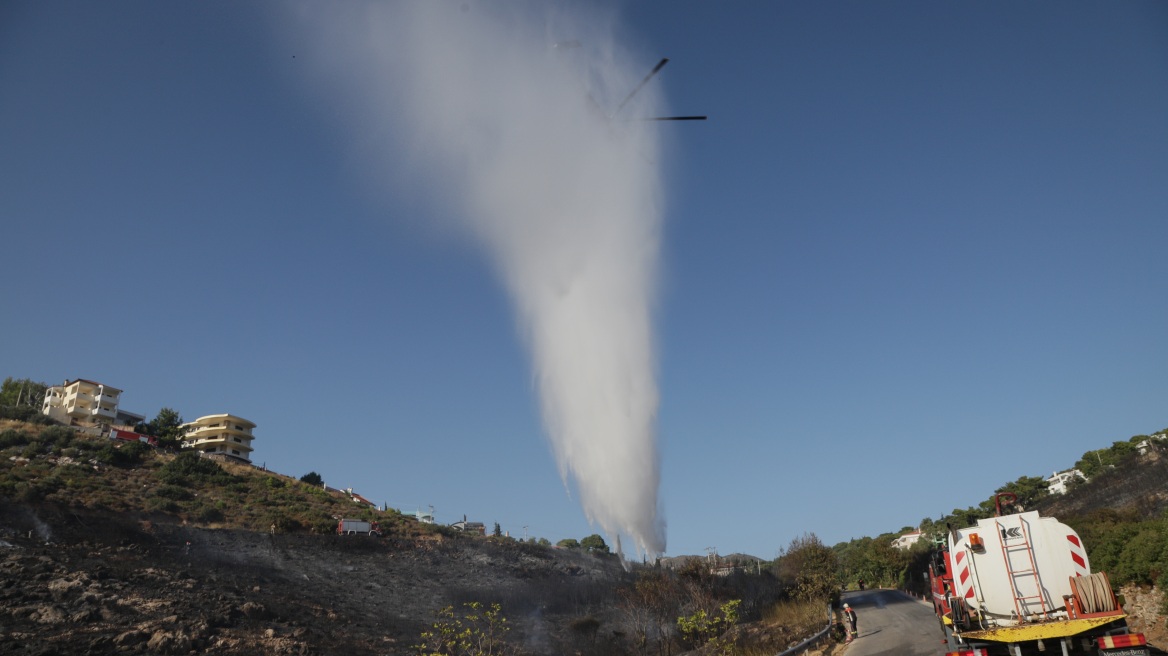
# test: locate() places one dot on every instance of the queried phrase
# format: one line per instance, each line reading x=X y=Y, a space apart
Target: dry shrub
x=800 y=617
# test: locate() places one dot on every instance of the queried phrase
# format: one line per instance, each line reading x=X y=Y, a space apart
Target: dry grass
x=34 y=469
x=799 y=616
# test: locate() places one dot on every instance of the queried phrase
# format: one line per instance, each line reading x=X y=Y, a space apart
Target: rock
x=254 y=611
x=84 y=615
x=49 y=615
x=166 y=642
x=63 y=588
x=131 y=638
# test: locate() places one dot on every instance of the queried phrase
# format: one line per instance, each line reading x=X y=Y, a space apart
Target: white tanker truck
x=1021 y=584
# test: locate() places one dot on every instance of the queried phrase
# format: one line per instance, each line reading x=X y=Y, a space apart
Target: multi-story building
x=1059 y=482
x=226 y=435
x=82 y=402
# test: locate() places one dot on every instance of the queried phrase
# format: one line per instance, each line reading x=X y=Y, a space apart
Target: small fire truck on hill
x=1020 y=584
x=358 y=527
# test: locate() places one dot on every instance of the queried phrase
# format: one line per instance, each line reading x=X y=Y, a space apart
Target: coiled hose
x=1093 y=593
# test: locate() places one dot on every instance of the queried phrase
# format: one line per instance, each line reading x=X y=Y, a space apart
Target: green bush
x=161 y=504
x=126 y=454
x=322 y=525
x=173 y=492
x=189 y=467
x=281 y=523
x=28 y=492
x=58 y=436
x=13 y=437
x=707 y=628
x=24 y=413
x=476 y=631
x=208 y=514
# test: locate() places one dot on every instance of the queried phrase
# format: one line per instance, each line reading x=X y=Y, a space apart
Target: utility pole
x=525 y=533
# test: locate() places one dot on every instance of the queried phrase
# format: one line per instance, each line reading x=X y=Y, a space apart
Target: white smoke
x=502 y=116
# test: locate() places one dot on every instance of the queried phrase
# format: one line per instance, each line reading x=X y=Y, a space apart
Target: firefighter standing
x=850 y=622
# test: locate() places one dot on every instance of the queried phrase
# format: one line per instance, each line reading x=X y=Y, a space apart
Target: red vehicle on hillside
x=130 y=436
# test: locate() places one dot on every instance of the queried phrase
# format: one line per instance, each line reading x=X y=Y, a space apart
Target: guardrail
x=809 y=642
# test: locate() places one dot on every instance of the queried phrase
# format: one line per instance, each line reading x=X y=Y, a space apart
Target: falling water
x=510 y=108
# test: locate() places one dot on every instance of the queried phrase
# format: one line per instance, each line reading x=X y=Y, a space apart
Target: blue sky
x=915 y=253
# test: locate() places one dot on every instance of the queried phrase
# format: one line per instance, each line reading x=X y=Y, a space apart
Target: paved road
x=892 y=623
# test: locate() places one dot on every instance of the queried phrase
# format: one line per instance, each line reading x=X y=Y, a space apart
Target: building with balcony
x=907 y=540
x=225 y=435
x=1059 y=482
x=82 y=402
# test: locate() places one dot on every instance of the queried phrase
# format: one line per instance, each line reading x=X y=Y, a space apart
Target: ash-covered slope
x=74 y=581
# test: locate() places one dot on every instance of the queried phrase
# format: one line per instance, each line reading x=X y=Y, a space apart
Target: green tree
x=189 y=467
x=313 y=479
x=569 y=543
x=809 y=569
x=594 y=544
x=498 y=532
x=166 y=426
x=707 y=628
x=21 y=398
x=1096 y=462
x=1027 y=490
x=478 y=631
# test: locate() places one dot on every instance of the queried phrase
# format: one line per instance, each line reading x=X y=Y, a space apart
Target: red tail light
x=1127 y=640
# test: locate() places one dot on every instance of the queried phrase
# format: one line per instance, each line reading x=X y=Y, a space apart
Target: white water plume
x=502 y=116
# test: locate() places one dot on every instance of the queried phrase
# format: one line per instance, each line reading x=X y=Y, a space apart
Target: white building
x=907 y=540
x=1144 y=445
x=1057 y=483
x=82 y=402
x=226 y=435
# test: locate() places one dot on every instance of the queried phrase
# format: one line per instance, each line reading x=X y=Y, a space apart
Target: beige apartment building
x=226 y=435
x=82 y=402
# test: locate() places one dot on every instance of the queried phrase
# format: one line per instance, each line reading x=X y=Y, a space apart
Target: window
x=234 y=452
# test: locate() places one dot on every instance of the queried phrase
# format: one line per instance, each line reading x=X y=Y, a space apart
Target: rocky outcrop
x=1145 y=609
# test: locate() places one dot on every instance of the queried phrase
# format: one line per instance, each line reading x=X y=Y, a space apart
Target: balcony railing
x=216 y=442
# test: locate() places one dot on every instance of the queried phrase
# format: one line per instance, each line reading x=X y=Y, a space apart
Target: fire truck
x=1021 y=584
x=358 y=527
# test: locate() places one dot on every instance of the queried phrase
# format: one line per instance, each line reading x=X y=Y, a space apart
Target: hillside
x=1138 y=483
x=110 y=547
x=116 y=546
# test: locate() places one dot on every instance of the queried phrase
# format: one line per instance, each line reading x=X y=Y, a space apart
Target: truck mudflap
x=1131 y=644
x=1039 y=631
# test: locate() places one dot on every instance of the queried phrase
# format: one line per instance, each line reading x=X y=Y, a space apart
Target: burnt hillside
x=119 y=548
x=81 y=581
x=1137 y=484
